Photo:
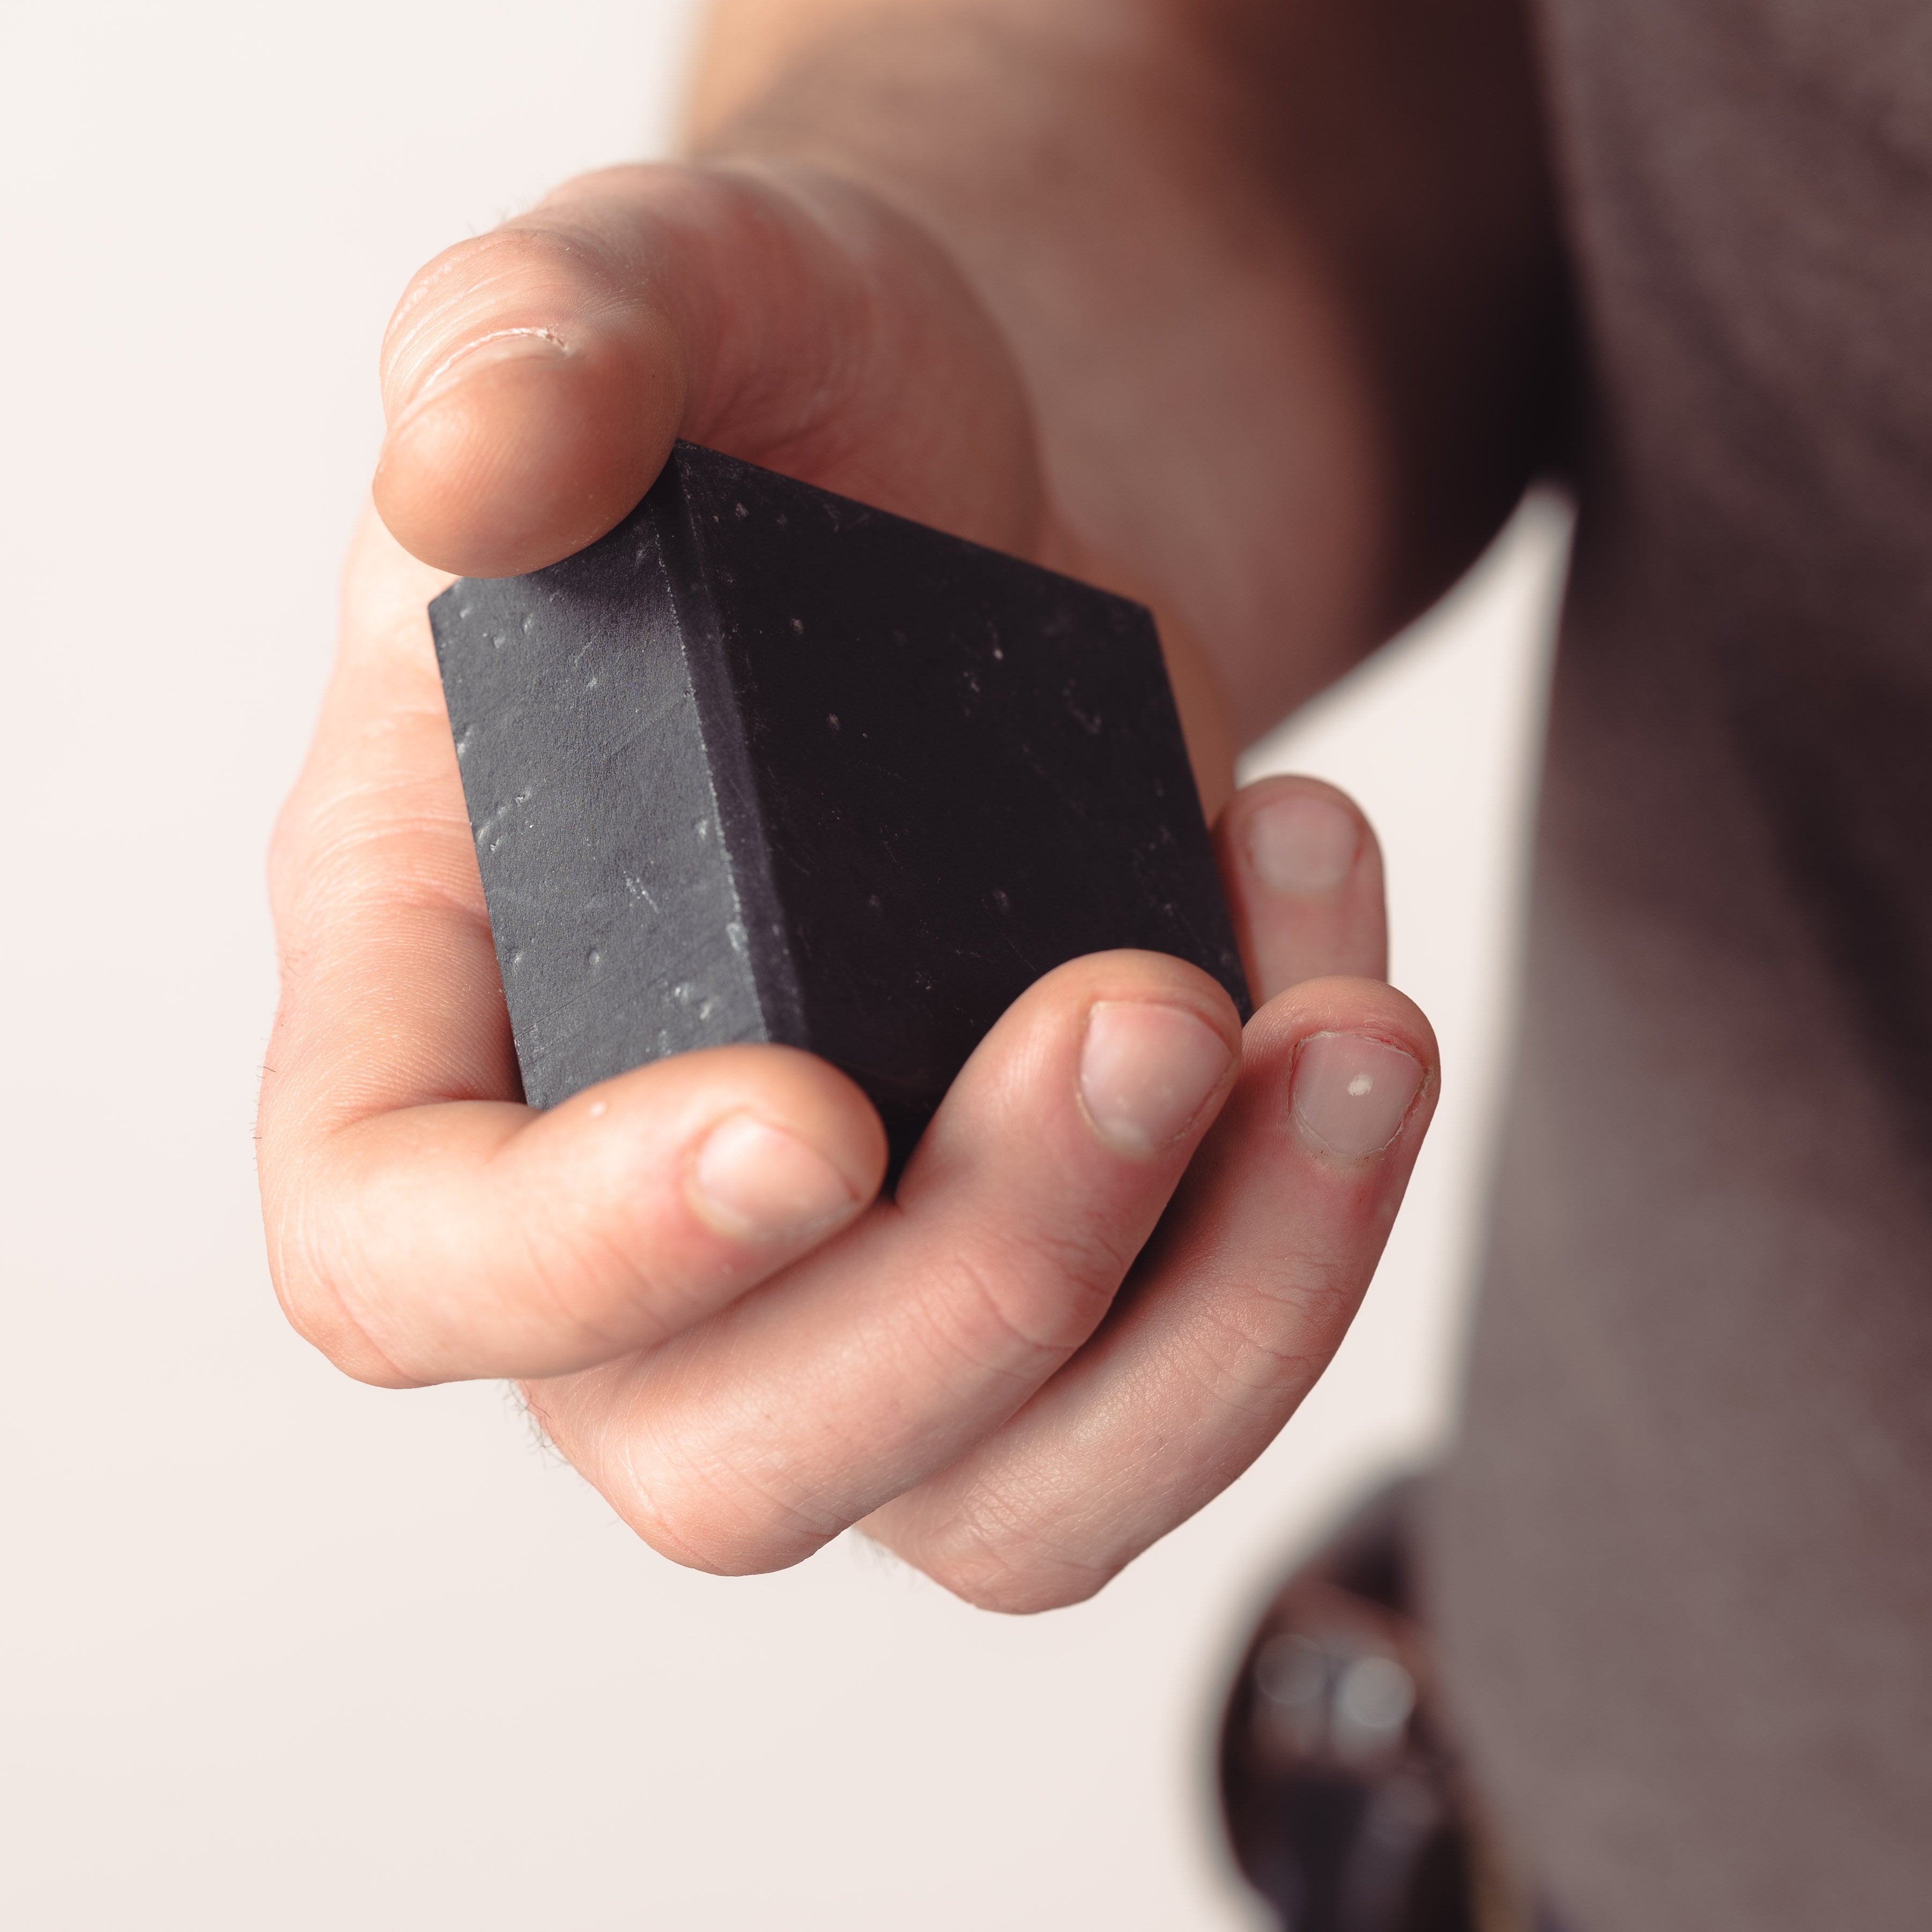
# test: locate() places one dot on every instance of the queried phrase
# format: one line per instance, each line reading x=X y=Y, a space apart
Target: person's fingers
x=1304 y=875
x=534 y=377
x=753 y=1438
x=421 y=1223
x=1231 y=1313
x=481 y=1238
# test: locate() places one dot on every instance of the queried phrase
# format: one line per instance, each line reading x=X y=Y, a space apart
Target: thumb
x=534 y=378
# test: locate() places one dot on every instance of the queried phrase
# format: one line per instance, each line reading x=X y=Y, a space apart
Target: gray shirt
x=1682 y=1563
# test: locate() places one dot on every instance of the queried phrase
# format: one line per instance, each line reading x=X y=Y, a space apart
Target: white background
x=281 y=1651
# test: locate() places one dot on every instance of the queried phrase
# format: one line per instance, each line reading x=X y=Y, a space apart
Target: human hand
x=687 y=1268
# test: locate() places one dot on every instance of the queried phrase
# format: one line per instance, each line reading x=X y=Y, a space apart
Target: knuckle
x=306 y=1269
x=704 y=1512
x=1244 y=1368
x=699 y=1506
x=582 y=1279
x=1260 y=1339
x=970 y=1303
x=666 y=1503
x=1012 y=1298
x=990 y=1560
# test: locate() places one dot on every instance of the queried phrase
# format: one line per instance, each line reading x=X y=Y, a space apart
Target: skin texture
x=1038 y=278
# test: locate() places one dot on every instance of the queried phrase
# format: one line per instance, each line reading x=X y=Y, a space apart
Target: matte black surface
x=765 y=764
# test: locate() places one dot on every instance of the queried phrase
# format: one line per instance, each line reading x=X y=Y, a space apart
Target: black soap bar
x=765 y=764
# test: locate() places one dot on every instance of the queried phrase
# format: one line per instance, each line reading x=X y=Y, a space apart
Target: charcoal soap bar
x=765 y=764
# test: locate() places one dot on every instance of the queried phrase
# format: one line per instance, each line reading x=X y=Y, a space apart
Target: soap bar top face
x=764 y=764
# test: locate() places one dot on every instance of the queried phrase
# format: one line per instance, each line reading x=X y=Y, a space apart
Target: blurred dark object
x=1345 y=1805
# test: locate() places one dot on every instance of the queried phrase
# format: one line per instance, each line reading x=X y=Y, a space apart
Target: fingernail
x=1145 y=1071
x=1302 y=845
x=756 y=1183
x=1352 y=1094
x=487 y=352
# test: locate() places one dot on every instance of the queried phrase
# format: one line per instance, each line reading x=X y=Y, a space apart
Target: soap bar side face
x=971 y=771
x=701 y=589
x=611 y=899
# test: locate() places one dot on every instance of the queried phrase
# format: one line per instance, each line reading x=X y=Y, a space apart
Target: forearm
x=1280 y=277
